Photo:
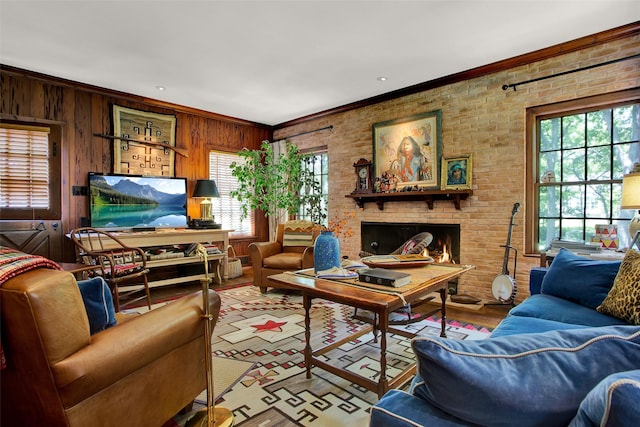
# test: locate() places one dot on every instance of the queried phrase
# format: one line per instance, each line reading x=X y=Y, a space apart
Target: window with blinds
x=227 y=209
x=29 y=171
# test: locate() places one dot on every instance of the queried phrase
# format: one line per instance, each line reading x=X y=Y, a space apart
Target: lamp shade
x=206 y=188
x=631 y=191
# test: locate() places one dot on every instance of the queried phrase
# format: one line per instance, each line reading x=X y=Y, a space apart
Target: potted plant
x=276 y=183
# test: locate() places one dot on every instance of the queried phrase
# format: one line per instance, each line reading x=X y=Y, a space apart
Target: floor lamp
x=211 y=416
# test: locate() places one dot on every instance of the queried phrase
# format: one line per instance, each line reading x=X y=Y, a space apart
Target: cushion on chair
x=99 y=304
x=298 y=233
x=524 y=380
x=284 y=261
x=578 y=279
x=121 y=270
x=623 y=300
x=613 y=402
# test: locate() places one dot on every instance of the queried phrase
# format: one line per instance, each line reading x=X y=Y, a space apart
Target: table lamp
x=631 y=200
x=206 y=189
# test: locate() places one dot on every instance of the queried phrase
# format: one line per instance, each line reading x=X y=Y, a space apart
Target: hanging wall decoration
x=144 y=142
x=407 y=151
x=457 y=172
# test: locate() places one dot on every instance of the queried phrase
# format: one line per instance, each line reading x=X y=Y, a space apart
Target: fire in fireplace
x=385 y=237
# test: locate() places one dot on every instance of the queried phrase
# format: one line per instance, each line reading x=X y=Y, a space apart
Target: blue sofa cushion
x=561 y=310
x=400 y=409
x=578 y=279
x=99 y=304
x=536 y=276
x=612 y=403
x=512 y=325
x=524 y=380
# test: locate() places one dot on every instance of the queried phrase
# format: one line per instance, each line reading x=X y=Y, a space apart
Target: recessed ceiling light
x=160 y=88
x=382 y=79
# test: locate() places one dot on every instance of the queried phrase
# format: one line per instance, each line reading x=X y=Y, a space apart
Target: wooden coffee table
x=381 y=301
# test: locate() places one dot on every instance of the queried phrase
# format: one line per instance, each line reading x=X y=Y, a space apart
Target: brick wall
x=481 y=119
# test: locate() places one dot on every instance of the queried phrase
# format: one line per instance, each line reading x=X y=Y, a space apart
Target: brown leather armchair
x=141 y=372
x=268 y=258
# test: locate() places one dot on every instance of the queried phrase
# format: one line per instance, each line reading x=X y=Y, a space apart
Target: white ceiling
x=274 y=61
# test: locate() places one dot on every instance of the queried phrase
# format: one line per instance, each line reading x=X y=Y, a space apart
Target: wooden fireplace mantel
x=401 y=196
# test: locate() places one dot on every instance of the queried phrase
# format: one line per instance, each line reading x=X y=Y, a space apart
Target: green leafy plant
x=273 y=183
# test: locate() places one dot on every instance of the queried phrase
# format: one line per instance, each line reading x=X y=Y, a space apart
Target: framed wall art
x=457 y=172
x=407 y=151
x=148 y=157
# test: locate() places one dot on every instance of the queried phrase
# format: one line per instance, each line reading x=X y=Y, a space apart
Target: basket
x=234 y=264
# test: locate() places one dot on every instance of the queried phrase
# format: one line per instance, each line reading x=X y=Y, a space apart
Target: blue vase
x=326 y=251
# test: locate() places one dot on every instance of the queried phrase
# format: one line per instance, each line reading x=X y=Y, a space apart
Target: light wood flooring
x=488 y=316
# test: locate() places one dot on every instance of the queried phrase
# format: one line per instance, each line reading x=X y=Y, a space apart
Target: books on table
x=336 y=273
x=381 y=276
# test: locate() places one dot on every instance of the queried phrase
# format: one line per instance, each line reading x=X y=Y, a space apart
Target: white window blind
x=227 y=209
x=24 y=167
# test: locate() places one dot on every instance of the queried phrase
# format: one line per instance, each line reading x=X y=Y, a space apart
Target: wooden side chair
x=120 y=265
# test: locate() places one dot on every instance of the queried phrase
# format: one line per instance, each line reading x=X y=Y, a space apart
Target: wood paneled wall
x=84 y=110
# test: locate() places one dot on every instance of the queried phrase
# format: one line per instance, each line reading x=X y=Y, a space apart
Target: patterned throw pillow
x=298 y=233
x=623 y=300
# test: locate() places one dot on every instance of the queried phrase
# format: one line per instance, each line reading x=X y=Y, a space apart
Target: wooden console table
x=149 y=239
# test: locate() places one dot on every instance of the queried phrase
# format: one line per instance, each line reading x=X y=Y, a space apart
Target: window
x=226 y=209
x=580 y=156
x=29 y=171
x=317 y=164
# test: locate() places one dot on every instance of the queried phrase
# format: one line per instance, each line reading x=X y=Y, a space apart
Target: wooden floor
x=488 y=316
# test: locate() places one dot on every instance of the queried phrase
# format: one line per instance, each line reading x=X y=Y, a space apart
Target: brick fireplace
x=385 y=237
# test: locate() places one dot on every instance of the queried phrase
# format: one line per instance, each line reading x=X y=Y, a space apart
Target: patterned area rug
x=268 y=331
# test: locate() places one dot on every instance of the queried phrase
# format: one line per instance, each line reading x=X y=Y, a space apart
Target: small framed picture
x=457 y=172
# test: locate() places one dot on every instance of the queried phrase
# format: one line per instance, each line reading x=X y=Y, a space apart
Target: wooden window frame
x=324 y=178
x=533 y=114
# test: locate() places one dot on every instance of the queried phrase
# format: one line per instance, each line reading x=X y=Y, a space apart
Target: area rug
x=267 y=330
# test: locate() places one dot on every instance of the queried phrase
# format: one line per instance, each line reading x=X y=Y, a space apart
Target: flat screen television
x=130 y=201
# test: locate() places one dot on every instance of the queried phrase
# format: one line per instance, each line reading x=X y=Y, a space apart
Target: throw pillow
x=623 y=301
x=578 y=279
x=298 y=233
x=99 y=304
x=613 y=402
x=525 y=379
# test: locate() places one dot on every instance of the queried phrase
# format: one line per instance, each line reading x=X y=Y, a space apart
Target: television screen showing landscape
x=125 y=201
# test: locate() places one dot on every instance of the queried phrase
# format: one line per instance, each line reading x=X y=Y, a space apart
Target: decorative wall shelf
x=403 y=196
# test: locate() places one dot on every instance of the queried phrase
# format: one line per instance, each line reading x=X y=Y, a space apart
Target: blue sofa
x=555 y=360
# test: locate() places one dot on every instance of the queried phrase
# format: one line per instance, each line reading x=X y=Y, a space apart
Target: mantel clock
x=364 y=183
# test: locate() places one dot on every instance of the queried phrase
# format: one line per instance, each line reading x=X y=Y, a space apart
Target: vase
x=326 y=251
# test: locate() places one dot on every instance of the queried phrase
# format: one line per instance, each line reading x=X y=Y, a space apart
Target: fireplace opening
x=382 y=238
